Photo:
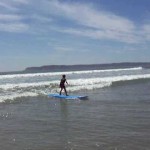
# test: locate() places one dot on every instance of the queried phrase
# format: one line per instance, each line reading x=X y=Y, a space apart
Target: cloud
x=10 y=19
x=146 y=31
x=40 y=18
x=63 y=49
x=21 y=1
x=92 y=23
x=102 y=34
x=13 y=27
x=12 y=5
x=80 y=19
x=12 y=23
x=6 y=6
x=87 y=16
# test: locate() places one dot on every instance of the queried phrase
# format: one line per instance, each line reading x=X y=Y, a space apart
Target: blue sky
x=66 y=32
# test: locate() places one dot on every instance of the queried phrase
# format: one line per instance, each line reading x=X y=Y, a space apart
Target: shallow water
x=113 y=118
x=40 y=84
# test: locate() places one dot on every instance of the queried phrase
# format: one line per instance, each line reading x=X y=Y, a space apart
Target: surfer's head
x=64 y=76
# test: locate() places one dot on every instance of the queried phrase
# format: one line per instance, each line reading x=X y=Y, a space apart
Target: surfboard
x=67 y=97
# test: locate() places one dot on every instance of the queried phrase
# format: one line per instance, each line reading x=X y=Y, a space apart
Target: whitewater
x=41 y=84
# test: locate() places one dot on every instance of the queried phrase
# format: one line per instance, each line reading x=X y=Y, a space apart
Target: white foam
x=104 y=80
x=26 y=85
x=67 y=73
x=76 y=82
x=126 y=78
x=12 y=91
x=89 y=87
x=17 y=95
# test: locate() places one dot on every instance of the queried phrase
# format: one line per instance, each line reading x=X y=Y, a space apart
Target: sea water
x=37 y=84
x=116 y=115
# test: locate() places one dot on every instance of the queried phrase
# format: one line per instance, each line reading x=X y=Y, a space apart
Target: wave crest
x=12 y=91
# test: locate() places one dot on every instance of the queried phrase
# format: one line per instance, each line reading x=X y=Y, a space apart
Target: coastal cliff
x=53 y=68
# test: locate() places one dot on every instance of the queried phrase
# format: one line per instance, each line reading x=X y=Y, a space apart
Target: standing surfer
x=62 y=84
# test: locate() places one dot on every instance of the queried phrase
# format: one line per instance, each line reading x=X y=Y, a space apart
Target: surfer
x=62 y=84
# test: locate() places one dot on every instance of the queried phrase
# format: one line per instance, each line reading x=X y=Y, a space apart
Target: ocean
x=116 y=115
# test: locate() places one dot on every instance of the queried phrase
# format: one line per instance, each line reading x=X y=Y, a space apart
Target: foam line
x=76 y=82
x=13 y=91
x=67 y=73
x=17 y=95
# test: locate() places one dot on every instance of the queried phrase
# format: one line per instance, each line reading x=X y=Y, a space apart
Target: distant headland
x=60 y=68
x=79 y=67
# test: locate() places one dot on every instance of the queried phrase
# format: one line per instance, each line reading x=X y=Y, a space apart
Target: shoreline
x=61 y=68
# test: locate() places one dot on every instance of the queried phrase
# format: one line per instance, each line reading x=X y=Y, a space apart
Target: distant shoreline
x=78 y=67
x=60 y=68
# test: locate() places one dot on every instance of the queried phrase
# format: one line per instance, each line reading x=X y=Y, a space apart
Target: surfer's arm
x=66 y=82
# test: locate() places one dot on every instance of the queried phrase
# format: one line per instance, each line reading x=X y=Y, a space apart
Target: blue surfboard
x=67 y=97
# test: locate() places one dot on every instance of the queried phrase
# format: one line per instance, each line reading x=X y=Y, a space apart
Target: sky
x=67 y=32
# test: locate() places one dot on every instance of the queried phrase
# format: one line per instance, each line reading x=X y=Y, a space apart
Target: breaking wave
x=67 y=73
x=17 y=90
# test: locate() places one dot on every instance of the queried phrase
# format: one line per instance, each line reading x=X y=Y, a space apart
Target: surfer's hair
x=63 y=75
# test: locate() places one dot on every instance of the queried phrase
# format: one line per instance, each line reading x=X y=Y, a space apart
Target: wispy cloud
x=87 y=16
x=21 y=1
x=63 y=49
x=12 y=5
x=10 y=19
x=92 y=23
x=6 y=6
x=12 y=23
x=86 y=20
x=146 y=31
x=13 y=27
x=103 y=34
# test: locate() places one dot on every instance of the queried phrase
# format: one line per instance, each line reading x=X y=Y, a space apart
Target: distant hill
x=60 y=68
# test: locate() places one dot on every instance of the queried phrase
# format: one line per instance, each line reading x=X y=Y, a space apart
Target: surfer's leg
x=65 y=91
x=60 y=91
